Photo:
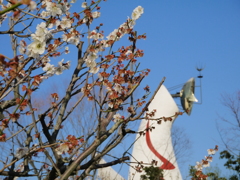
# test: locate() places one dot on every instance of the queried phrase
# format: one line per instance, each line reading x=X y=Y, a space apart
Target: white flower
x=198 y=166
x=45 y=60
x=58 y=71
x=127 y=25
x=73 y=39
x=113 y=35
x=94 y=70
x=84 y=4
x=117 y=117
x=205 y=163
x=92 y=35
x=63 y=148
x=32 y=5
x=131 y=23
x=21 y=152
x=37 y=47
x=100 y=45
x=41 y=29
x=54 y=9
x=135 y=15
x=96 y=14
x=65 y=7
x=65 y=23
x=61 y=67
x=32 y=54
x=118 y=88
x=49 y=68
x=90 y=63
x=45 y=14
x=92 y=56
x=139 y=9
x=211 y=151
x=41 y=32
x=137 y=12
x=36 y=37
x=208 y=158
x=64 y=66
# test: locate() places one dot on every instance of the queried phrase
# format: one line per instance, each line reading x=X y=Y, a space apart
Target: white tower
x=157 y=144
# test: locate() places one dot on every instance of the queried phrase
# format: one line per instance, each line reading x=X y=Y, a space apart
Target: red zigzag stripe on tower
x=166 y=164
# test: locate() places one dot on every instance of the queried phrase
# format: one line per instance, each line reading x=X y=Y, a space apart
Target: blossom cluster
x=52 y=37
x=116 y=35
x=204 y=163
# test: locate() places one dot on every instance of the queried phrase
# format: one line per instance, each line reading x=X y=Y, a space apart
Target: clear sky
x=180 y=36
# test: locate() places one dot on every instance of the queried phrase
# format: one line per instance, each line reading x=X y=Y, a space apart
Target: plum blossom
x=41 y=29
x=94 y=70
x=62 y=66
x=118 y=88
x=117 y=117
x=211 y=151
x=127 y=25
x=45 y=14
x=65 y=7
x=205 y=163
x=90 y=61
x=122 y=30
x=45 y=60
x=65 y=23
x=49 y=68
x=208 y=158
x=92 y=56
x=199 y=166
x=32 y=5
x=36 y=47
x=94 y=35
x=113 y=35
x=54 y=9
x=63 y=148
x=96 y=14
x=137 y=12
x=72 y=37
x=84 y=4
x=42 y=33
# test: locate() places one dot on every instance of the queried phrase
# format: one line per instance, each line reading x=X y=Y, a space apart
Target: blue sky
x=180 y=36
